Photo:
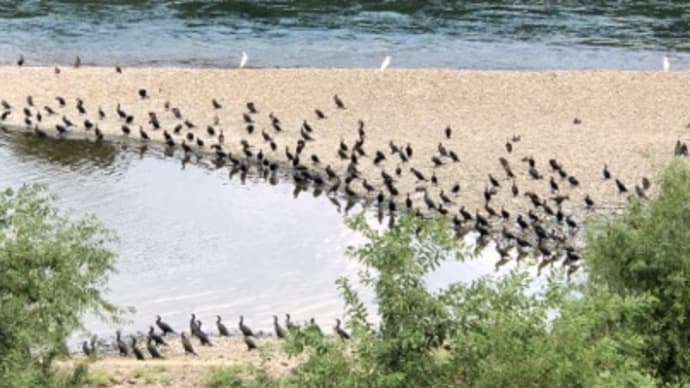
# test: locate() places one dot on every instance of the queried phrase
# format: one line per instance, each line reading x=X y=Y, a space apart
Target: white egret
x=386 y=62
x=244 y=59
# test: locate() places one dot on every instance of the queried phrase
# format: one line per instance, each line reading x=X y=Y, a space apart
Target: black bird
x=77 y=62
x=509 y=146
x=125 y=129
x=67 y=121
x=60 y=128
x=49 y=110
x=61 y=101
x=280 y=332
x=494 y=181
x=216 y=104
x=554 y=165
x=448 y=132
x=5 y=114
x=165 y=328
x=156 y=338
x=314 y=326
x=607 y=174
x=118 y=69
x=437 y=161
x=573 y=181
x=56 y=70
x=453 y=156
x=20 y=62
x=143 y=134
x=137 y=352
x=645 y=183
x=246 y=331
x=99 y=134
x=39 y=132
x=85 y=348
x=222 y=330
x=534 y=173
x=442 y=150
x=621 y=186
x=379 y=158
x=340 y=331
x=252 y=108
x=188 y=349
x=250 y=343
x=315 y=159
x=121 y=345
x=30 y=101
x=553 y=184
x=319 y=114
x=142 y=93
x=408 y=201
x=152 y=349
x=588 y=201
x=338 y=102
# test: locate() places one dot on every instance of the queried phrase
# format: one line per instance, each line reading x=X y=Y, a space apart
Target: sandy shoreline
x=180 y=370
x=629 y=120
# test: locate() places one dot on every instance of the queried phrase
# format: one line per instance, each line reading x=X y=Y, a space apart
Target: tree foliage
x=52 y=270
x=491 y=332
x=646 y=250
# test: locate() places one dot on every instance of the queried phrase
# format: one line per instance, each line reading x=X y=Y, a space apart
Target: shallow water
x=307 y=33
x=193 y=240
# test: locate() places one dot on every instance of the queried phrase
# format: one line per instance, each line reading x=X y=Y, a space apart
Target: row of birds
x=155 y=340
x=546 y=229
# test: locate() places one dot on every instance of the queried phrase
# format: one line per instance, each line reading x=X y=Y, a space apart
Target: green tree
x=491 y=332
x=646 y=250
x=52 y=271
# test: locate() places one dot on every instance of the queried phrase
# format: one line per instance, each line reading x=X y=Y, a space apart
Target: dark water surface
x=193 y=240
x=309 y=33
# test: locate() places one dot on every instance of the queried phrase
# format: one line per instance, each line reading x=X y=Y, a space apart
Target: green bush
x=646 y=250
x=492 y=332
x=229 y=377
x=53 y=270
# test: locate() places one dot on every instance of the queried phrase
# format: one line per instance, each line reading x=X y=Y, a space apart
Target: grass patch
x=100 y=378
x=223 y=377
x=149 y=374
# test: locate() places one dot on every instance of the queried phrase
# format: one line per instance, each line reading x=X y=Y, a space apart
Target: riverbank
x=629 y=121
x=180 y=370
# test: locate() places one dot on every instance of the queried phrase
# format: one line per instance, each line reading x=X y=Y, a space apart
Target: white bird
x=244 y=59
x=666 y=63
x=386 y=62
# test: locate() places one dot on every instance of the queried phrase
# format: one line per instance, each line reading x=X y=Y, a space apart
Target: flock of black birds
x=546 y=230
x=154 y=340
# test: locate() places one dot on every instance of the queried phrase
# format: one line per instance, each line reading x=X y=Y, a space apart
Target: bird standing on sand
x=250 y=343
x=246 y=331
x=137 y=352
x=222 y=330
x=152 y=349
x=386 y=62
x=156 y=338
x=165 y=328
x=121 y=345
x=77 y=62
x=188 y=349
x=20 y=62
x=666 y=64
x=243 y=60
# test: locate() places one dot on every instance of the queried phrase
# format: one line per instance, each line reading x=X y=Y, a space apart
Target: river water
x=308 y=33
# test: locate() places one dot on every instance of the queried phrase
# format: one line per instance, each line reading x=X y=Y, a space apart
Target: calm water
x=308 y=33
x=193 y=240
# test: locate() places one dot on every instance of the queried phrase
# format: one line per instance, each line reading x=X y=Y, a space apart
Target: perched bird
x=340 y=331
x=243 y=60
x=246 y=331
x=77 y=62
x=20 y=62
x=621 y=187
x=222 y=330
x=665 y=63
x=165 y=328
x=142 y=94
x=156 y=338
x=188 y=349
x=386 y=62
x=338 y=102
x=250 y=343
x=153 y=351
x=280 y=332
x=121 y=345
x=137 y=352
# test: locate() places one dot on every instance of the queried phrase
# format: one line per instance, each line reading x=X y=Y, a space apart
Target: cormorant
x=222 y=330
x=338 y=102
x=280 y=332
x=250 y=343
x=340 y=331
x=152 y=349
x=246 y=331
x=188 y=349
x=165 y=328
x=156 y=338
x=137 y=352
x=121 y=345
